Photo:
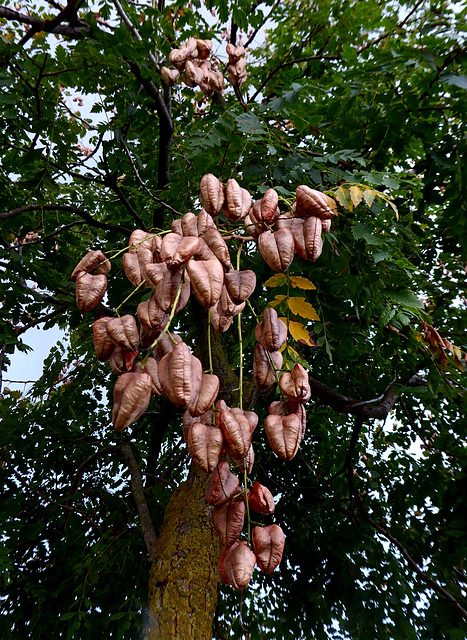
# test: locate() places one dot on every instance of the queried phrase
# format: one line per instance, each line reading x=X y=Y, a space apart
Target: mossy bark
x=184 y=578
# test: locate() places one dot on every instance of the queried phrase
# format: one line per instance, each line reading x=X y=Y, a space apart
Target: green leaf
x=405 y=297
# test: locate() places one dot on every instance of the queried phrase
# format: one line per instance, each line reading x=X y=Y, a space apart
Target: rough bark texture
x=184 y=578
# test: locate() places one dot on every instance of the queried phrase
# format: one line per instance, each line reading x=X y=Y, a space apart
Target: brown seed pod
x=152 y=369
x=203 y=252
x=251 y=228
x=132 y=393
x=219 y=320
x=204 y=222
x=207 y=394
x=192 y=75
x=216 y=81
x=251 y=416
x=218 y=246
x=177 y=250
x=260 y=499
x=176 y=226
x=165 y=345
x=89 y=290
x=222 y=485
x=228 y=519
x=240 y=284
x=271 y=332
x=166 y=288
x=295 y=384
x=326 y=226
x=310 y=202
x=236 y=73
x=189 y=224
x=123 y=332
x=103 y=345
x=95 y=262
x=277 y=248
x=121 y=360
x=284 y=434
x=237 y=564
x=140 y=239
x=204 y=48
x=237 y=433
x=290 y=406
x=237 y=201
x=151 y=316
x=170 y=76
x=178 y=57
x=207 y=278
x=296 y=227
x=245 y=463
x=212 y=194
x=189 y=421
x=204 y=444
x=268 y=543
x=312 y=228
x=226 y=307
x=269 y=203
x=264 y=371
x=133 y=265
x=180 y=375
x=234 y=53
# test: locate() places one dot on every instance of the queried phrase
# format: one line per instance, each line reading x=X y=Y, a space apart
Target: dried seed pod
x=189 y=224
x=203 y=252
x=219 y=321
x=312 y=228
x=140 y=239
x=212 y=194
x=204 y=222
x=207 y=278
x=226 y=307
x=132 y=393
x=216 y=81
x=207 y=394
x=269 y=203
x=237 y=433
x=265 y=365
x=177 y=250
x=176 y=226
x=151 y=368
x=250 y=227
x=204 y=445
x=204 y=48
x=251 y=416
x=290 y=406
x=166 y=289
x=192 y=75
x=236 y=72
x=237 y=201
x=260 y=499
x=103 y=345
x=178 y=57
x=256 y=216
x=284 y=434
x=234 y=53
x=240 y=284
x=89 y=290
x=189 y=421
x=180 y=375
x=237 y=564
x=123 y=332
x=296 y=227
x=277 y=248
x=165 y=345
x=268 y=543
x=170 y=76
x=228 y=519
x=218 y=246
x=122 y=360
x=271 y=332
x=133 y=265
x=222 y=485
x=245 y=463
x=326 y=226
x=151 y=316
x=95 y=262
x=295 y=385
x=310 y=202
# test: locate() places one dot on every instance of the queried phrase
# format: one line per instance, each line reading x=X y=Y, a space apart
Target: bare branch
x=49 y=26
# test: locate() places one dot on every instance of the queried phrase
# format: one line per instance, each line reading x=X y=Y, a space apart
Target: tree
x=363 y=101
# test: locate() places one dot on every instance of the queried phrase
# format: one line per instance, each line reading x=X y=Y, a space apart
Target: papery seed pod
x=237 y=564
x=192 y=75
x=192 y=46
x=203 y=252
x=89 y=290
x=295 y=384
x=204 y=445
x=170 y=76
x=123 y=332
x=284 y=435
x=251 y=416
x=207 y=278
x=313 y=241
x=219 y=321
x=222 y=485
x=95 y=262
x=178 y=57
x=189 y=421
x=237 y=201
x=228 y=519
x=103 y=345
x=226 y=306
x=296 y=227
x=177 y=250
x=207 y=394
x=180 y=375
x=251 y=228
x=176 y=226
x=140 y=239
x=268 y=543
x=204 y=48
x=234 y=53
x=166 y=290
x=265 y=365
x=291 y=406
x=310 y=202
x=189 y=223
x=152 y=369
x=122 y=360
x=204 y=222
x=132 y=393
x=237 y=433
x=236 y=73
x=155 y=273
x=277 y=248
x=216 y=81
x=260 y=499
x=240 y=284
x=212 y=194
x=271 y=332
x=218 y=246
x=245 y=463
x=165 y=345
x=150 y=315
x=326 y=226
x=269 y=203
x=133 y=265
x=205 y=67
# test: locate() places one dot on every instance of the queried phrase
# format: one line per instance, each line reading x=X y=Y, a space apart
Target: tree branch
x=49 y=26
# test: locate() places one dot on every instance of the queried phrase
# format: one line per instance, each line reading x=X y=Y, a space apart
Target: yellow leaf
x=343 y=196
x=301 y=308
x=277 y=300
x=369 y=196
x=276 y=280
x=300 y=334
x=356 y=195
x=301 y=283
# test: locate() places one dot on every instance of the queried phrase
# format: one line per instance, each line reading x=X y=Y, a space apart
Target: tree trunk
x=184 y=578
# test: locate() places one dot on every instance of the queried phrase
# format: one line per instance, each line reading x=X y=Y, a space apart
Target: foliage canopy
x=364 y=100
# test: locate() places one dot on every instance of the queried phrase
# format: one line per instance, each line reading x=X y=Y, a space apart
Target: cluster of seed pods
x=193 y=258
x=236 y=68
x=192 y=61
